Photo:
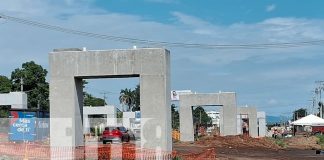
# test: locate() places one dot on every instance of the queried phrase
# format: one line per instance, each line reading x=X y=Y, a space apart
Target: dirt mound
x=238 y=142
x=302 y=142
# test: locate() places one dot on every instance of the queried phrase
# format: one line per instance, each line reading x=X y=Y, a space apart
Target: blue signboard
x=22 y=126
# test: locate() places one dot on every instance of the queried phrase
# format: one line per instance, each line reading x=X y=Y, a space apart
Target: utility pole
x=318 y=92
x=21 y=84
x=313 y=104
x=104 y=96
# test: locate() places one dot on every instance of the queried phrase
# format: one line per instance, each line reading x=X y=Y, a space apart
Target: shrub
x=320 y=140
x=280 y=143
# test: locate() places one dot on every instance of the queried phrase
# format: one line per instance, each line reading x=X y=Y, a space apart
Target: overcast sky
x=276 y=80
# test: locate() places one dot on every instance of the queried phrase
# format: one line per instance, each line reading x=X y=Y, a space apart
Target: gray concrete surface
x=261 y=116
x=151 y=65
x=127 y=116
x=110 y=112
x=251 y=113
x=17 y=100
x=228 y=112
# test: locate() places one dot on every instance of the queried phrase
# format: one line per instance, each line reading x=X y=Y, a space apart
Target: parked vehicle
x=116 y=134
x=318 y=129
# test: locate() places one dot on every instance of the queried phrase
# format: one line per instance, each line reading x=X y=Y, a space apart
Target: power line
x=161 y=43
x=100 y=90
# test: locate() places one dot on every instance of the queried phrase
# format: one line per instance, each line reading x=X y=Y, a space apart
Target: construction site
x=73 y=132
x=161 y=79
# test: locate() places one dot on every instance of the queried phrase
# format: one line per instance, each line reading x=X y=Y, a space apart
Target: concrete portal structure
x=262 y=128
x=110 y=113
x=17 y=100
x=69 y=67
x=251 y=114
x=228 y=112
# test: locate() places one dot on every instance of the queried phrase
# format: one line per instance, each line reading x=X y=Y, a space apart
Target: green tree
x=175 y=117
x=137 y=98
x=299 y=113
x=127 y=98
x=5 y=87
x=33 y=78
x=90 y=100
x=130 y=98
x=201 y=117
x=5 y=84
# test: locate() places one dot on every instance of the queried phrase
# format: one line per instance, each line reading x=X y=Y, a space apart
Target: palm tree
x=127 y=98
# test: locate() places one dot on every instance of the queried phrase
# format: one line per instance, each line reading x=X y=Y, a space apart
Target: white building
x=215 y=116
x=17 y=100
x=109 y=113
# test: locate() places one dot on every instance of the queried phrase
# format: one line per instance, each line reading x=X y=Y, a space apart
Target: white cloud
x=20 y=43
x=271 y=8
x=273 y=102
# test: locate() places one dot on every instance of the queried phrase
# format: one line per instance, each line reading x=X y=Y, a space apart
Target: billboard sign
x=22 y=126
x=175 y=94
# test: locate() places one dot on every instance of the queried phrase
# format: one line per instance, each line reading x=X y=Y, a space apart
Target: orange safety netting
x=103 y=152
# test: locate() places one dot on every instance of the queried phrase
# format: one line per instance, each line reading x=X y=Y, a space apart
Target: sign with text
x=22 y=126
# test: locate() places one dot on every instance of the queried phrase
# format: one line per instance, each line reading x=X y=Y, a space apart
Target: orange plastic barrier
x=176 y=135
x=101 y=152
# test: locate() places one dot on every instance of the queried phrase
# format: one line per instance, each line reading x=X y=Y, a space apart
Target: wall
x=17 y=100
x=109 y=111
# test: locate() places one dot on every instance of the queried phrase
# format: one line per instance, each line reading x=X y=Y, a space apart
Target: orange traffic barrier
x=176 y=135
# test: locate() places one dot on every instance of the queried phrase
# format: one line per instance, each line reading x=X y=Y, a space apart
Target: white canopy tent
x=309 y=120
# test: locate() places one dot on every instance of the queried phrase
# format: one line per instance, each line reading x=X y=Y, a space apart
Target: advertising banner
x=175 y=94
x=22 y=126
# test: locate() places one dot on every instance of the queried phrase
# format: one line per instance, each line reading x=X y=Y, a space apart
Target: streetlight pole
x=318 y=92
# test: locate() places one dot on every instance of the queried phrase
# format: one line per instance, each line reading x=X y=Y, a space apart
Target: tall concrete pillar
x=262 y=123
x=229 y=112
x=186 y=121
x=66 y=101
x=156 y=126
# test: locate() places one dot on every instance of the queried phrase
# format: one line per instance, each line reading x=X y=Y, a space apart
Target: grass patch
x=320 y=140
x=280 y=142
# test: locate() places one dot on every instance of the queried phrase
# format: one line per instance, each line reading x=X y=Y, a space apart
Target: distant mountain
x=276 y=119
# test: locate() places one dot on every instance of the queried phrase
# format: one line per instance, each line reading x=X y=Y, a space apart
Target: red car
x=115 y=134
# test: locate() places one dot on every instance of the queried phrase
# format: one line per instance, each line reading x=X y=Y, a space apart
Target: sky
x=275 y=80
